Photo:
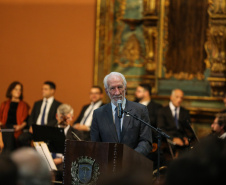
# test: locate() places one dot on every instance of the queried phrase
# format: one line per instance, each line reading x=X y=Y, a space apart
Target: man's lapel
x=170 y=115
x=111 y=124
x=126 y=118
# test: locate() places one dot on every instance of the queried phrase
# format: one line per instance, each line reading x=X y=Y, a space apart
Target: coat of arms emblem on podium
x=84 y=171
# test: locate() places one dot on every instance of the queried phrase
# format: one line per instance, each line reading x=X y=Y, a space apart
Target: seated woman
x=13 y=114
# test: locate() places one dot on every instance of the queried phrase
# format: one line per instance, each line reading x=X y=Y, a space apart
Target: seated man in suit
x=143 y=96
x=174 y=120
x=44 y=111
x=219 y=125
x=64 y=118
x=84 y=120
x=108 y=127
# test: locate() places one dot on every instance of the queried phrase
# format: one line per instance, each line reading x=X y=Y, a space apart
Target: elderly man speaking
x=108 y=127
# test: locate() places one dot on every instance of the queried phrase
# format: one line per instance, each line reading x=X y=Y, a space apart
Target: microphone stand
x=160 y=135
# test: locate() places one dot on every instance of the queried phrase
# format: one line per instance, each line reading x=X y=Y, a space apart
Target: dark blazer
x=135 y=134
x=153 y=109
x=84 y=108
x=52 y=121
x=167 y=124
x=70 y=136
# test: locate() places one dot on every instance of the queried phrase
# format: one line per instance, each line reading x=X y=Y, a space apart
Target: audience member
x=84 y=120
x=174 y=120
x=219 y=125
x=205 y=164
x=8 y=171
x=65 y=117
x=143 y=96
x=33 y=169
x=44 y=111
x=13 y=114
x=108 y=126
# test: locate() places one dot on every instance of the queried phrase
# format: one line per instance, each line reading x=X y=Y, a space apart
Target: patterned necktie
x=118 y=124
x=88 y=115
x=43 y=114
x=176 y=118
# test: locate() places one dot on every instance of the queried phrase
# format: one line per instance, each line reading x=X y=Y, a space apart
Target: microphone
x=119 y=106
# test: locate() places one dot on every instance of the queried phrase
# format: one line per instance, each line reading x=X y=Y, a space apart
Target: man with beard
x=219 y=126
x=143 y=96
x=108 y=127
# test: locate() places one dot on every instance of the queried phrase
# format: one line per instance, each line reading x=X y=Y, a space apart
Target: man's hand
x=57 y=161
x=79 y=127
x=181 y=142
x=186 y=142
x=178 y=141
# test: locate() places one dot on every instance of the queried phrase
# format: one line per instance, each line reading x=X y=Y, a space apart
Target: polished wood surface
x=111 y=157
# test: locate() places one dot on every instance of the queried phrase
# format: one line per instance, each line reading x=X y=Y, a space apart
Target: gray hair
x=33 y=169
x=65 y=109
x=174 y=90
x=114 y=74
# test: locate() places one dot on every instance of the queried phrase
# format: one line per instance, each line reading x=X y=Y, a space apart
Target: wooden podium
x=88 y=162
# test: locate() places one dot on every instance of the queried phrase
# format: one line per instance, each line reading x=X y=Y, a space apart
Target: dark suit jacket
x=70 y=135
x=135 y=134
x=153 y=109
x=167 y=124
x=51 y=116
x=84 y=108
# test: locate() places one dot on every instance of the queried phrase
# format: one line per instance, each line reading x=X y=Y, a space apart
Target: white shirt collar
x=172 y=108
x=145 y=103
x=223 y=136
x=50 y=99
x=98 y=103
x=66 y=129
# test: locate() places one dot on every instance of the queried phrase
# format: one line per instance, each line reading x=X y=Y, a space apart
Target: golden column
x=216 y=47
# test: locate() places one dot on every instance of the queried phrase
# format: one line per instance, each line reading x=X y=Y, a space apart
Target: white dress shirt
x=92 y=107
x=49 y=103
x=145 y=103
x=172 y=108
x=113 y=111
x=223 y=136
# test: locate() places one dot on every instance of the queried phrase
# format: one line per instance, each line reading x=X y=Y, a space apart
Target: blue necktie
x=118 y=124
x=176 y=119
x=43 y=115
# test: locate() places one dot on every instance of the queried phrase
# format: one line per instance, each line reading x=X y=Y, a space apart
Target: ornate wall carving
x=216 y=46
